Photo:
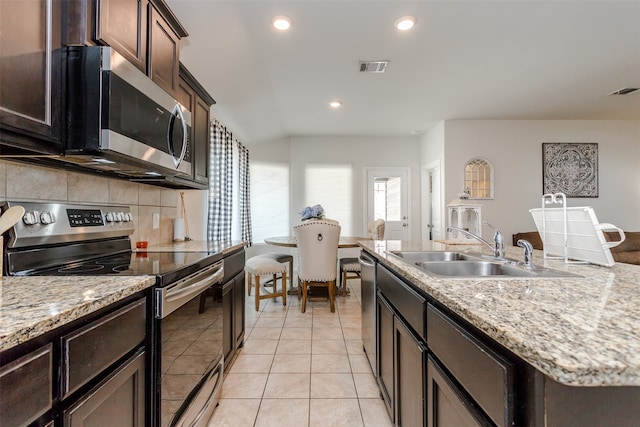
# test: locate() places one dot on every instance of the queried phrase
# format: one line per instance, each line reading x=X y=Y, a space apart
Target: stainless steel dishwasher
x=368 y=304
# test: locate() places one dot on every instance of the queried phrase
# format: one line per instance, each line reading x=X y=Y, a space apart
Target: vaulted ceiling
x=479 y=59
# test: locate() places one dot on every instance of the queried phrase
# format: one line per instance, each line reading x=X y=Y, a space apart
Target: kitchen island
x=569 y=344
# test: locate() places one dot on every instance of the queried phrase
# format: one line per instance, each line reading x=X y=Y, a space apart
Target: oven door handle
x=173 y=297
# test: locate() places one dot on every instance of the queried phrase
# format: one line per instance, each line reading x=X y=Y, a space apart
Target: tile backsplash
x=22 y=181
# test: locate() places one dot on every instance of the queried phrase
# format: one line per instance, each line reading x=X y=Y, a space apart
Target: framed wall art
x=570 y=168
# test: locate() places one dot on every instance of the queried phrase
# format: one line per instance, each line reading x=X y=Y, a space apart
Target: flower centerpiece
x=312 y=212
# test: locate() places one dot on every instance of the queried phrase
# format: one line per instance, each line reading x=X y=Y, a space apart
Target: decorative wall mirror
x=478 y=179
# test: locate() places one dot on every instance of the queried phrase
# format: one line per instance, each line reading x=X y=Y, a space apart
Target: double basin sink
x=464 y=266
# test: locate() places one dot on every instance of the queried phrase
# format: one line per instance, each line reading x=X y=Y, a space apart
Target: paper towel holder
x=180 y=225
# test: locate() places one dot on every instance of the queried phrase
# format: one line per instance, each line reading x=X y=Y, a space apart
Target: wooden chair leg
x=284 y=288
x=332 y=295
x=257 y=293
x=304 y=296
x=249 y=284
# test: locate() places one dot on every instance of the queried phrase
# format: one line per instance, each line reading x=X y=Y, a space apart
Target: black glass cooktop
x=168 y=266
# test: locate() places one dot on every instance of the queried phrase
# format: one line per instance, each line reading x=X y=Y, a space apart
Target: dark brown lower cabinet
x=410 y=356
x=233 y=300
x=385 y=354
x=233 y=316
x=401 y=367
x=119 y=400
x=446 y=405
x=238 y=309
x=26 y=387
x=228 y=341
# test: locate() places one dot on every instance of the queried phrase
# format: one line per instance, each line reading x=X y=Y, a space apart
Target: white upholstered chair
x=317 y=243
x=350 y=267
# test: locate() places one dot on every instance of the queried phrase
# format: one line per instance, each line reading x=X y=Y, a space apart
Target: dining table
x=291 y=242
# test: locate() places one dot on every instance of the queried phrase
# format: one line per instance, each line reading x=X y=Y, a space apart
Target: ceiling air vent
x=625 y=91
x=373 y=66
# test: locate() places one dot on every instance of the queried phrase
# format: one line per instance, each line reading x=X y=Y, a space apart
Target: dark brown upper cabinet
x=146 y=32
x=164 y=52
x=122 y=24
x=31 y=74
x=195 y=98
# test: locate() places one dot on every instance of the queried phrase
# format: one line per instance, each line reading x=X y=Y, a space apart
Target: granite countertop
x=32 y=306
x=578 y=331
x=196 y=246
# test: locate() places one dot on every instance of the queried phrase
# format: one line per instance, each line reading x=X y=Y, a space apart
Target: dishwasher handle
x=366 y=261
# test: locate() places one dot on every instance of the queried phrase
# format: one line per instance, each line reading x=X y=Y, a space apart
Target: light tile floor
x=301 y=369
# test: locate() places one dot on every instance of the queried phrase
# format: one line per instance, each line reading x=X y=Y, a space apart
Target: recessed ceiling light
x=335 y=104
x=281 y=22
x=405 y=23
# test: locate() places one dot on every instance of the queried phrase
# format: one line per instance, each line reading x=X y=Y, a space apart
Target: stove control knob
x=120 y=216
x=127 y=217
x=31 y=218
x=47 y=218
x=110 y=216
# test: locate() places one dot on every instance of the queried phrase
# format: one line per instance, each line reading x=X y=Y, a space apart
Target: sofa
x=627 y=252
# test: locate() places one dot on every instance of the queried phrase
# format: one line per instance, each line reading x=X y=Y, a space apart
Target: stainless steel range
x=186 y=338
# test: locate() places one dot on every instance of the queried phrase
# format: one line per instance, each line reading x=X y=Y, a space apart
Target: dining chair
x=350 y=267
x=317 y=243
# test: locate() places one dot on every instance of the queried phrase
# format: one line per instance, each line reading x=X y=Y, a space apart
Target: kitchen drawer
x=233 y=264
x=91 y=349
x=485 y=375
x=407 y=302
x=26 y=387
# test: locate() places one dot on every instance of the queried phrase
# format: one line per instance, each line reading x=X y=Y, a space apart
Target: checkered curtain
x=220 y=184
x=243 y=190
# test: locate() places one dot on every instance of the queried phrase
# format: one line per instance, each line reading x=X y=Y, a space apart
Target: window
x=387 y=198
x=478 y=179
x=269 y=200
x=330 y=185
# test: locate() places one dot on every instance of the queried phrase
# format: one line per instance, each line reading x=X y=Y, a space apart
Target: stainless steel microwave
x=120 y=121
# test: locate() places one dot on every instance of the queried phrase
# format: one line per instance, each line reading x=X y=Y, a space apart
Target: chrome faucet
x=528 y=252
x=498 y=242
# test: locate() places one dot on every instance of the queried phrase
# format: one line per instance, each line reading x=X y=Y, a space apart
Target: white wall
x=514 y=148
x=197 y=207
x=432 y=146
x=360 y=152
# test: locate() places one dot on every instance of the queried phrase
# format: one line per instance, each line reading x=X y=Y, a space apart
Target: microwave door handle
x=175 y=114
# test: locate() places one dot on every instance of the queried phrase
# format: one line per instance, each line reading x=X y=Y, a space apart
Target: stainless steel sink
x=463 y=266
x=474 y=269
x=430 y=256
